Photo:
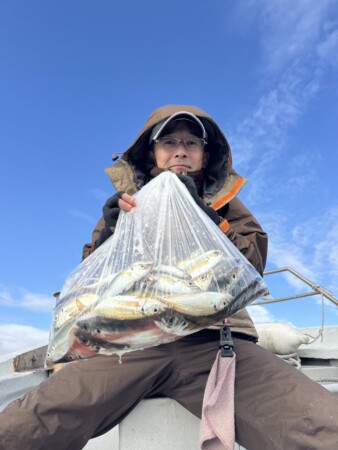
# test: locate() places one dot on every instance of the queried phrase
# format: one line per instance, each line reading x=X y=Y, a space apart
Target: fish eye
x=233 y=275
x=98 y=330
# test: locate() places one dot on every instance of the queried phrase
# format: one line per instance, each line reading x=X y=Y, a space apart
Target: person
x=276 y=406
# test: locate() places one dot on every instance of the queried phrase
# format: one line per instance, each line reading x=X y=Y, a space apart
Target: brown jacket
x=221 y=186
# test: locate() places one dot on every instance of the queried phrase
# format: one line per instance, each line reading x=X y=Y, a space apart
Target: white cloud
x=327 y=50
x=21 y=298
x=299 y=47
x=16 y=338
x=259 y=140
x=310 y=247
x=100 y=194
x=260 y=314
x=289 y=30
x=299 y=44
x=82 y=215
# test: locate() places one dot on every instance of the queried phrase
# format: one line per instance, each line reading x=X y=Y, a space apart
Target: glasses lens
x=193 y=143
x=168 y=142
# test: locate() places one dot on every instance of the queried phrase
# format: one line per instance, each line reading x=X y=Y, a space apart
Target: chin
x=179 y=170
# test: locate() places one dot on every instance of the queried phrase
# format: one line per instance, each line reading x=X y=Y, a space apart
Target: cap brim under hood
x=139 y=157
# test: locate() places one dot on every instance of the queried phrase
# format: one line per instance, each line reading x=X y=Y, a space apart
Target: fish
x=107 y=328
x=203 y=281
x=72 y=308
x=59 y=342
x=123 y=280
x=113 y=284
x=96 y=344
x=200 y=304
x=136 y=341
x=76 y=349
x=232 y=280
x=170 y=284
x=109 y=341
x=171 y=270
x=255 y=289
x=202 y=264
x=128 y=307
x=175 y=324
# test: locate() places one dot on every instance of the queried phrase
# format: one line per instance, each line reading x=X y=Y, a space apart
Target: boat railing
x=316 y=289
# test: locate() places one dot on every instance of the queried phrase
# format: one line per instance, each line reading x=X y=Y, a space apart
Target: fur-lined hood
x=221 y=182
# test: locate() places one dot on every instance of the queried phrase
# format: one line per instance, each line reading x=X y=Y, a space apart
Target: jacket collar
x=122 y=176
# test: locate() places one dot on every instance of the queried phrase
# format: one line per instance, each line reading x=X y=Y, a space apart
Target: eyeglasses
x=191 y=144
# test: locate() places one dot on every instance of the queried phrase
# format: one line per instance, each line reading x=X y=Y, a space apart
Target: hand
x=111 y=210
x=114 y=204
x=127 y=202
x=190 y=185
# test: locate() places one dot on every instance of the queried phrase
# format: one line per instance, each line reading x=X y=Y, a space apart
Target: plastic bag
x=168 y=271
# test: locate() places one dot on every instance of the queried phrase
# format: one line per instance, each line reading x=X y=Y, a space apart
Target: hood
x=141 y=160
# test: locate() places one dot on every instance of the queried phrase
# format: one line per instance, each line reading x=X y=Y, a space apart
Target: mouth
x=179 y=166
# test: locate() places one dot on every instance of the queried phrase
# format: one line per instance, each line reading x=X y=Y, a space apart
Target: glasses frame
x=178 y=141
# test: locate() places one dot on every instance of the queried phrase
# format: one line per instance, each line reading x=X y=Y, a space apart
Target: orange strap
x=224 y=226
x=217 y=205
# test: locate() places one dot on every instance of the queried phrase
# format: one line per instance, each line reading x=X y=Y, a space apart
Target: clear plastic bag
x=168 y=271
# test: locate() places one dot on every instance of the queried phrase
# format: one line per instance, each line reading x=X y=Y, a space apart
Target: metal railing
x=316 y=289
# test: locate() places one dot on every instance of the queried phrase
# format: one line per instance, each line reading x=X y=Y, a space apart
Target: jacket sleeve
x=91 y=246
x=245 y=233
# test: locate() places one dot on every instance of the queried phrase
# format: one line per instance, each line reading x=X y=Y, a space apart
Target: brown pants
x=276 y=406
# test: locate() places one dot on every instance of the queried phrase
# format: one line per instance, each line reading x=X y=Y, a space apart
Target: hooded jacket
x=221 y=187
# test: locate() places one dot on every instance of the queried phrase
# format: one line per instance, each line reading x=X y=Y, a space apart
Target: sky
x=77 y=82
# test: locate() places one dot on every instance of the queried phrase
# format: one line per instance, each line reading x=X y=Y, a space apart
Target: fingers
x=112 y=202
x=127 y=202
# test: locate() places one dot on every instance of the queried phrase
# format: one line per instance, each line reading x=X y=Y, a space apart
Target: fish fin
x=79 y=304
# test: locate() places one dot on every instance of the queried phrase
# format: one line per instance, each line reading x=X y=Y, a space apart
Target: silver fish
x=170 y=284
x=202 y=264
x=59 y=342
x=107 y=328
x=172 y=271
x=117 y=283
x=201 y=304
x=254 y=290
x=203 y=281
x=72 y=308
x=175 y=324
x=128 y=307
x=143 y=336
x=232 y=281
x=142 y=339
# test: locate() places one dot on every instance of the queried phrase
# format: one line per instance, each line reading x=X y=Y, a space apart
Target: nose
x=181 y=151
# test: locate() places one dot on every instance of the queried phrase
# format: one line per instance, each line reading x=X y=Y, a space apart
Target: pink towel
x=218 y=412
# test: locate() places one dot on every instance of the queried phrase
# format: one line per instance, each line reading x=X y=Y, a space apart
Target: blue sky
x=78 y=79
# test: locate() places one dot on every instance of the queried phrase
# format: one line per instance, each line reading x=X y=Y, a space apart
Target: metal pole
x=318 y=289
